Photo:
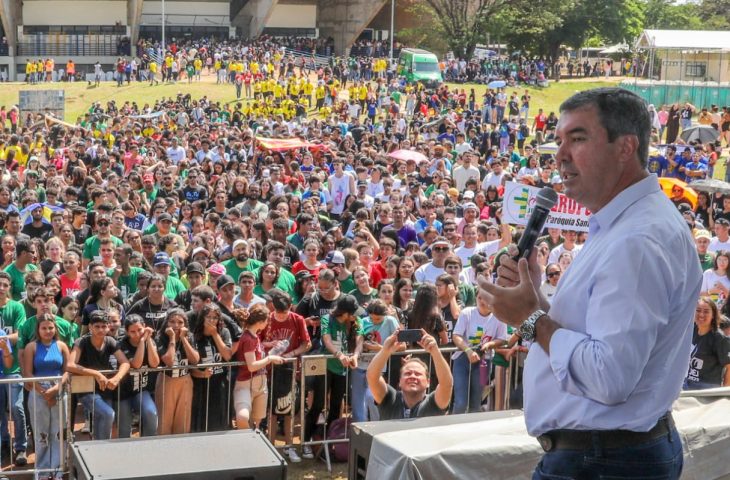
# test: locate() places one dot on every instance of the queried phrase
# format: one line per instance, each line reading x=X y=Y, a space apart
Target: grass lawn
x=80 y=95
x=550 y=98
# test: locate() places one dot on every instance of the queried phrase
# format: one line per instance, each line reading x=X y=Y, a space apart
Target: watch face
x=527 y=331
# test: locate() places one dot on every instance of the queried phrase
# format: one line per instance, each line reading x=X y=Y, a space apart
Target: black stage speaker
x=233 y=455
x=362 y=434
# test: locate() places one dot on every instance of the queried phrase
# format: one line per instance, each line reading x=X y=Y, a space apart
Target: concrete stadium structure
x=87 y=31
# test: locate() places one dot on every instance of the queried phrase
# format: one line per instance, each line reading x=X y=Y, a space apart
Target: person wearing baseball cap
x=702 y=242
x=336 y=262
x=362 y=194
x=241 y=259
x=162 y=265
x=194 y=277
x=161 y=227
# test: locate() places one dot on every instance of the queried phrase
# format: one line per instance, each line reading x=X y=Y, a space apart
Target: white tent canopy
x=618 y=48
x=684 y=39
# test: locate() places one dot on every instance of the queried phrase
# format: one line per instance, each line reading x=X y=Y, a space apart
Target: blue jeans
x=467 y=385
x=46 y=423
x=362 y=400
x=658 y=459
x=143 y=404
x=102 y=413
x=20 y=443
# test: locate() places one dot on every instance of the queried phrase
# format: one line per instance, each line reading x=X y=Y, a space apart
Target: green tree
x=525 y=27
x=612 y=21
x=543 y=26
x=714 y=14
x=668 y=15
x=428 y=34
x=465 y=22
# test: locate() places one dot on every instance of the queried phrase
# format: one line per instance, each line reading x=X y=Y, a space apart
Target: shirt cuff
x=562 y=344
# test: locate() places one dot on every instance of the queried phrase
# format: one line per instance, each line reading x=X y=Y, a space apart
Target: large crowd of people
x=178 y=235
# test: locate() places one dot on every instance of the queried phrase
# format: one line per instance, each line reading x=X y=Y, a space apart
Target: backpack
x=340 y=428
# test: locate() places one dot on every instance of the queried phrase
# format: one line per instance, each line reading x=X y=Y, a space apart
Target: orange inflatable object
x=668 y=183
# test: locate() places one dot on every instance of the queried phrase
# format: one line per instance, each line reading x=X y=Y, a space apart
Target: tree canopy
x=541 y=27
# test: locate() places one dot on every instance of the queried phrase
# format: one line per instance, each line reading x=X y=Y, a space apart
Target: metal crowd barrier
x=311 y=367
x=314 y=366
x=31 y=420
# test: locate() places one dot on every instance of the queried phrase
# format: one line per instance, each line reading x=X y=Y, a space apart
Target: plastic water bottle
x=280 y=348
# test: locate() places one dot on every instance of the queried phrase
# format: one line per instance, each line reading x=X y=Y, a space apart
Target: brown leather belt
x=585 y=439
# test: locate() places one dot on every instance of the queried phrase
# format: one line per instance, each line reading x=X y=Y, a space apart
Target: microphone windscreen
x=546 y=198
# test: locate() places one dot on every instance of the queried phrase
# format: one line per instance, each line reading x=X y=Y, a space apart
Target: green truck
x=418 y=65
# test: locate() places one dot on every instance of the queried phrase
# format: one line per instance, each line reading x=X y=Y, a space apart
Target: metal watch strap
x=527 y=329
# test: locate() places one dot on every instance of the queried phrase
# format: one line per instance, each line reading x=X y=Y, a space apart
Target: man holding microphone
x=611 y=352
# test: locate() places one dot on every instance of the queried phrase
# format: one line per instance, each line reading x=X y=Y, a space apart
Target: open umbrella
x=497 y=84
x=701 y=133
x=668 y=184
x=546 y=148
x=710 y=185
x=408 y=155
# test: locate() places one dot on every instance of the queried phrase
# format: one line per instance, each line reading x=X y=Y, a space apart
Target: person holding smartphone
x=411 y=400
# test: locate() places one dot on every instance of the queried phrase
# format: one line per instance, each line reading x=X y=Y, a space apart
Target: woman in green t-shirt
x=364 y=293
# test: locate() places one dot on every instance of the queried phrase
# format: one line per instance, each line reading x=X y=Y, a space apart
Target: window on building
x=695 y=69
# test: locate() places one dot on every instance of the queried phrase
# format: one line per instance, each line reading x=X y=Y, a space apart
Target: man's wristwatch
x=527 y=329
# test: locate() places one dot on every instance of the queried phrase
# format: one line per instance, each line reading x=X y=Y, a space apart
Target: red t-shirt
x=293 y=329
x=249 y=343
x=540 y=121
x=70 y=288
x=299 y=266
x=377 y=274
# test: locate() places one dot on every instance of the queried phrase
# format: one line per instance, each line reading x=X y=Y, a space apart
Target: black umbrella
x=702 y=133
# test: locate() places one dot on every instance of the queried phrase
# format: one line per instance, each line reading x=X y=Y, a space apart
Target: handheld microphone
x=545 y=200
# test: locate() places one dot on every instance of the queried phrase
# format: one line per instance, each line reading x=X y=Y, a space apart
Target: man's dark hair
x=22 y=245
x=620 y=112
x=203 y=292
x=149 y=240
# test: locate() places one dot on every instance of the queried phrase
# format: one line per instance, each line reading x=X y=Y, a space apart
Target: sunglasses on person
x=440 y=249
x=103 y=223
x=553 y=274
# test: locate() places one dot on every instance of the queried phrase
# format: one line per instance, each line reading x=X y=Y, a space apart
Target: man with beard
x=37 y=228
x=252 y=204
x=92 y=244
x=167 y=190
x=240 y=261
x=193 y=191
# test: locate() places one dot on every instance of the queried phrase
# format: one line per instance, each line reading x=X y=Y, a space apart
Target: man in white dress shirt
x=611 y=354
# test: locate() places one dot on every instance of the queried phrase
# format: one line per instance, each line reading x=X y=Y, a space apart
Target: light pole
x=392 y=22
x=163 y=29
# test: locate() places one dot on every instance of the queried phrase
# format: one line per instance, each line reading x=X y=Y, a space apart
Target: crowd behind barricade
x=180 y=236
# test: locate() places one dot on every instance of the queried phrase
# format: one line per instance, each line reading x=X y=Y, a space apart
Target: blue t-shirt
x=658 y=165
x=136 y=223
x=376 y=333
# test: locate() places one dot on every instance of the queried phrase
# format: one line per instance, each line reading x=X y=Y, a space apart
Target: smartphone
x=412 y=335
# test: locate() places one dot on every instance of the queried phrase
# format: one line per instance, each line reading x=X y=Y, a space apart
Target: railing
x=315 y=367
x=36 y=408
x=309 y=57
x=4 y=50
x=69 y=46
x=313 y=377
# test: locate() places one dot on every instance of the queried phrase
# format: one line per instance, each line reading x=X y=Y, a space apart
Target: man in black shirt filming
x=411 y=401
